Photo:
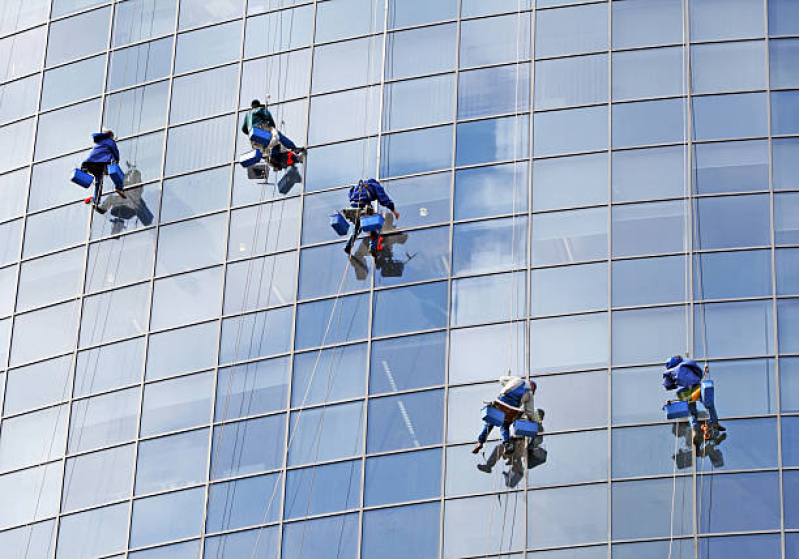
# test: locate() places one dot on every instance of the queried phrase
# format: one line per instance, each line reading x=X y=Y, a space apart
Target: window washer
x=361 y=197
x=536 y=455
x=281 y=152
x=515 y=400
x=103 y=153
x=685 y=376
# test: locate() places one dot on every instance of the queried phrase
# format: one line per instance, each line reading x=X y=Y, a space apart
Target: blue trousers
x=504 y=431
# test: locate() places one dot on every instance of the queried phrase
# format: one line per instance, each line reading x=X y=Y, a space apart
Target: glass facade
x=586 y=188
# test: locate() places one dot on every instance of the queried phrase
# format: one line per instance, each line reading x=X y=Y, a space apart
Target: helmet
x=674 y=361
x=255 y=104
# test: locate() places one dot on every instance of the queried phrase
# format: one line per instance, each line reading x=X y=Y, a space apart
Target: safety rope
x=676 y=427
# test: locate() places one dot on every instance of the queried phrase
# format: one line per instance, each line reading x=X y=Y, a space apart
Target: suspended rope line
x=302 y=407
x=673 y=487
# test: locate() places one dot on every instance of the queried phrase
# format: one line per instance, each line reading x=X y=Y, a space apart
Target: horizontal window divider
x=238 y=530
x=246 y=259
x=696 y=94
x=138 y=85
x=571 y=55
x=203 y=119
x=319 y=516
x=192 y=485
x=203 y=268
x=81 y=58
x=141 y=42
x=184 y=30
x=173 y=432
x=511 y=114
x=203 y=215
x=89 y=508
x=16 y=121
x=54 y=462
x=21 y=30
x=167 y=543
x=189 y=73
x=228 y=164
x=665 y=422
x=146 y=382
x=426 y=500
x=244 y=362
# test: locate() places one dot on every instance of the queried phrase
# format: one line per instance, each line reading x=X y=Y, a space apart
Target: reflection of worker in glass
x=361 y=196
x=132 y=206
x=685 y=376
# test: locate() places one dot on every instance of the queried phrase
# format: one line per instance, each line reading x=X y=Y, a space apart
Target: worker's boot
x=477 y=448
x=484 y=468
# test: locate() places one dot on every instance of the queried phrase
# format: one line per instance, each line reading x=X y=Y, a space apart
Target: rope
x=673 y=487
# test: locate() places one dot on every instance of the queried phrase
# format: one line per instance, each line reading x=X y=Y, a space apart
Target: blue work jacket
x=104 y=150
x=683 y=375
x=365 y=192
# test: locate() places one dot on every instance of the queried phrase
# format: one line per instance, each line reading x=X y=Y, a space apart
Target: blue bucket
x=708 y=393
x=493 y=416
x=522 y=428
x=372 y=223
x=250 y=158
x=676 y=410
x=260 y=136
x=82 y=178
x=339 y=224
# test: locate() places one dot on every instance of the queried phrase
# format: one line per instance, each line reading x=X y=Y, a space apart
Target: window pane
x=404 y=13
x=191 y=244
x=731 y=167
x=69 y=39
x=313 y=319
x=407 y=421
x=758 y=492
x=167 y=517
x=726 y=275
x=570 y=131
x=240 y=503
x=186 y=298
x=648 y=122
x=132 y=260
x=93 y=533
x=346 y=18
x=279 y=77
x=569 y=289
x=13 y=188
x=247 y=447
x=251 y=389
x=587 y=391
x=571 y=30
x=414 y=256
x=488 y=246
x=420 y=51
x=567 y=237
x=97 y=478
x=320 y=536
x=277 y=31
x=724 y=19
x=723 y=67
x=33 y=438
x=644 y=336
x=163 y=361
x=338 y=374
x=476 y=354
x=485 y=299
x=495 y=40
x=332 y=165
x=55 y=324
x=100 y=324
x=273 y=329
x=204 y=94
x=199 y=145
x=143 y=19
x=407 y=363
x=277 y=290
x=37 y=539
x=648 y=228
x=567 y=516
x=466 y=524
x=37 y=385
x=72 y=83
x=208 y=47
x=422 y=102
x=171 y=462
x=403 y=477
x=407 y=153
x=22 y=489
x=649 y=281
x=176 y=404
x=358 y=110
x=485 y=141
x=16 y=141
x=711 y=116
x=50 y=279
x=327 y=433
x=342 y=489
x=646 y=73
x=784 y=111
x=487 y=191
x=142 y=63
x=396 y=533
x=733 y=329
x=63 y=130
x=121 y=365
x=552 y=347
x=562 y=82
x=638 y=23
x=197 y=12
x=493 y=91
x=643 y=509
x=782 y=56
x=345 y=65
x=733 y=221
x=269 y=227
x=564 y=459
x=748 y=387
x=22 y=53
x=104 y=420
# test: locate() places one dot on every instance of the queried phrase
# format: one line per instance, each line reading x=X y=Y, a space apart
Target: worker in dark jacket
x=281 y=152
x=685 y=376
x=361 y=197
x=103 y=153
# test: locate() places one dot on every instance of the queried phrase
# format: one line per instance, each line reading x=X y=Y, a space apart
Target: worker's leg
x=355 y=232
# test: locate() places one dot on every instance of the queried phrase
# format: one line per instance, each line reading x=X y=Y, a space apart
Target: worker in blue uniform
x=103 y=153
x=281 y=152
x=515 y=400
x=685 y=376
x=361 y=196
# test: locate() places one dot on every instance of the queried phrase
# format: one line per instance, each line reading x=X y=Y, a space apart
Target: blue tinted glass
x=782 y=56
x=637 y=395
x=243 y=502
x=726 y=19
x=345 y=18
x=788 y=324
x=404 y=13
x=358 y=109
x=97 y=478
x=164 y=361
x=256 y=335
x=643 y=509
x=787 y=271
x=199 y=145
x=638 y=23
x=731 y=167
x=791 y=546
x=37 y=385
x=186 y=298
x=758 y=493
x=732 y=329
x=648 y=122
x=68 y=37
x=711 y=116
x=647 y=73
x=13 y=190
x=198 y=12
x=644 y=336
x=570 y=182
x=60 y=131
x=650 y=450
x=566 y=461
x=790 y=441
x=422 y=102
x=466 y=523
x=724 y=275
x=396 y=533
x=492 y=91
x=562 y=82
x=331 y=321
x=663 y=168
x=476 y=354
x=740 y=547
x=495 y=40
x=327 y=433
x=219 y=94
x=569 y=289
x=724 y=67
x=259 y=544
x=733 y=221
x=137 y=21
x=746 y=387
x=470 y=8
x=264 y=228
x=553 y=348
x=403 y=477
x=786 y=222
x=648 y=228
x=72 y=83
x=573 y=130
x=49 y=279
x=132 y=260
x=320 y=537
x=248 y=446
x=241 y=293
x=785 y=112
x=322 y=270
x=93 y=533
x=568 y=237
x=487 y=191
x=783 y=17
x=334 y=374
x=406 y=153
x=567 y=516
x=423 y=307
x=142 y=63
x=648 y=281
x=195 y=194
x=332 y=165
x=406 y=421
x=277 y=31
x=191 y=244
x=413 y=256
x=586 y=391
x=251 y=389
x=789 y=384
x=420 y=51
x=56 y=324
x=492 y=140
x=104 y=420
x=488 y=299
x=167 y=517
x=753 y=446
x=33 y=438
x=35 y=539
x=172 y=462
x=488 y=246
x=208 y=47
x=279 y=77
x=407 y=363
x=341 y=483
x=177 y=404
x=571 y=30
x=23 y=487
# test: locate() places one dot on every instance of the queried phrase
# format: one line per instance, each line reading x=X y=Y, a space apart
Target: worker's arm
x=382 y=197
x=115 y=151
